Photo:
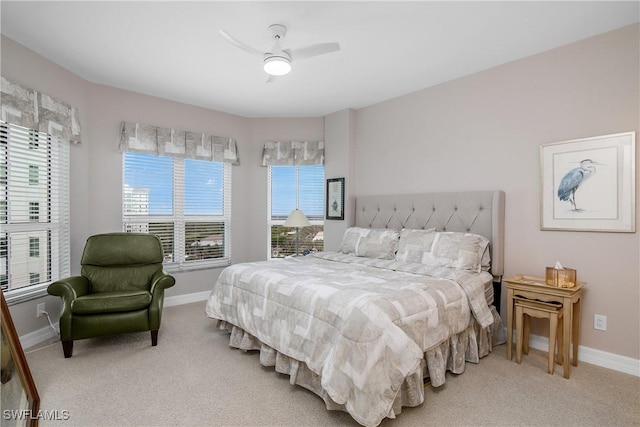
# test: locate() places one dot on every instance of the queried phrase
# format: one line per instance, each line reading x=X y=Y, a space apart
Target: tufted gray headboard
x=479 y=212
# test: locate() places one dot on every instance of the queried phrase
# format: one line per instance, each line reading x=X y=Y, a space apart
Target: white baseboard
x=587 y=355
x=594 y=356
x=39 y=336
x=186 y=298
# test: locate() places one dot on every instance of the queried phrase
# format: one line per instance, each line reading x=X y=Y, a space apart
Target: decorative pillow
x=486 y=260
x=414 y=243
x=378 y=243
x=351 y=238
x=463 y=251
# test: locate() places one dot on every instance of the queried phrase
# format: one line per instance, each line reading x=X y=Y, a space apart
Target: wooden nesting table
x=534 y=288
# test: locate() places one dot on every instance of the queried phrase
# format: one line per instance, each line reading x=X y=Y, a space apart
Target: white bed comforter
x=361 y=324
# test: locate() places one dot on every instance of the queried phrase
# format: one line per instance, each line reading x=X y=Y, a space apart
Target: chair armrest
x=161 y=280
x=68 y=289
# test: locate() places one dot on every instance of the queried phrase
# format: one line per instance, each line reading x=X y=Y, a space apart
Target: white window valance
x=293 y=153
x=177 y=143
x=35 y=110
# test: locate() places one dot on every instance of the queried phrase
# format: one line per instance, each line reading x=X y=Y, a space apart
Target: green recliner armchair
x=120 y=290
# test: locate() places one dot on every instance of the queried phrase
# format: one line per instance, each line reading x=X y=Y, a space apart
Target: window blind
x=34 y=211
x=185 y=202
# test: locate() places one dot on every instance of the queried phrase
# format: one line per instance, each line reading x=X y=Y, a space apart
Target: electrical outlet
x=600 y=322
x=40 y=310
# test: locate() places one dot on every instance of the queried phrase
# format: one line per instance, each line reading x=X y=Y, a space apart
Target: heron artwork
x=574 y=179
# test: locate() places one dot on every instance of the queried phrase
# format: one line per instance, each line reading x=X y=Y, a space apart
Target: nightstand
x=534 y=288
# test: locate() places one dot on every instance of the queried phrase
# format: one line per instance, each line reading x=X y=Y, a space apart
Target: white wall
x=340 y=162
x=483 y=132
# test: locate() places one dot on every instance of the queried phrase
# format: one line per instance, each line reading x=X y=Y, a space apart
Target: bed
x=407 y=297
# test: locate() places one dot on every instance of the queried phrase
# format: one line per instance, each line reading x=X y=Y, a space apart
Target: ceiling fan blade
x=237 y=43
x=314 y=50
x=271 y=79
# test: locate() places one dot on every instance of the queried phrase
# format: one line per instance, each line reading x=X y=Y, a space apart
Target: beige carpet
x=193 y=378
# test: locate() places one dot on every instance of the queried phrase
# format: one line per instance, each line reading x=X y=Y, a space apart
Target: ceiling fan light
x=277 y=65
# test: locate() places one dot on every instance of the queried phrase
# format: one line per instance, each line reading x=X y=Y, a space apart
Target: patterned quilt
x=361 y=324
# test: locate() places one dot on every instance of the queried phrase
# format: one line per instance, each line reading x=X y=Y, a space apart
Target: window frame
x=179 y=219
x=273 y=222
x=55 y=223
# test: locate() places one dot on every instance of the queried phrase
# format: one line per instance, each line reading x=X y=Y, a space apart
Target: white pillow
x=351 y=238
x=414 y=243
x=378 y=243
x=486 y=260
x=463 y=251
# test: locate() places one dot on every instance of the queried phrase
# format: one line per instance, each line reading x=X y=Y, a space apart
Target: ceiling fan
x=277 y=61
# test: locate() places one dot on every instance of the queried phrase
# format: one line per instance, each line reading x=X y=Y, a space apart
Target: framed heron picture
x=335 y=198
x=589 y=184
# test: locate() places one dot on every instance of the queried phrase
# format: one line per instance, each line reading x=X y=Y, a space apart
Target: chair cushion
x=113 y=249
x=115 y=262
x=111 y=302
x=120 y=278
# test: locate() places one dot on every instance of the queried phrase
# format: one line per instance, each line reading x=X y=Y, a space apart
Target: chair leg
x=67 y=348
x=154 y=337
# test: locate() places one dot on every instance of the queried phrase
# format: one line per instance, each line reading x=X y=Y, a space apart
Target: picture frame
x=588 y=184
x=335 y=199
x=20 y=397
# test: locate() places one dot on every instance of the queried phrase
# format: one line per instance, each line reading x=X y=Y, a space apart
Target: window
x=34 y=278
x=34 y=175
x=185 y=202
x=34 y=211
x=292 y=187
x=34 y=247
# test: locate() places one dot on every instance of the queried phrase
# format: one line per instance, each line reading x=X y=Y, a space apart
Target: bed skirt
x=451 y=355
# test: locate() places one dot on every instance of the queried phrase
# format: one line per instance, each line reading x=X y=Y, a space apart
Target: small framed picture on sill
x=335 y=198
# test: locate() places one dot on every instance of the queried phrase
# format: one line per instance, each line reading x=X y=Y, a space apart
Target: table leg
x=559 y=358
x=526 y=332
x=519 y=333
x=567 y=309
x=509 y=323
x=576 y=330
x=553 y=330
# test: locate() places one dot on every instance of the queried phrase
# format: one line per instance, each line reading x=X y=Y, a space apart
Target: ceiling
x=173 y=50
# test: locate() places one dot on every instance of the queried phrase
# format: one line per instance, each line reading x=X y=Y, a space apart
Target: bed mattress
x=360 y=326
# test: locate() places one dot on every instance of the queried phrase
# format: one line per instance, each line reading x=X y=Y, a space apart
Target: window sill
x=27 y=293
x=196 y=266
